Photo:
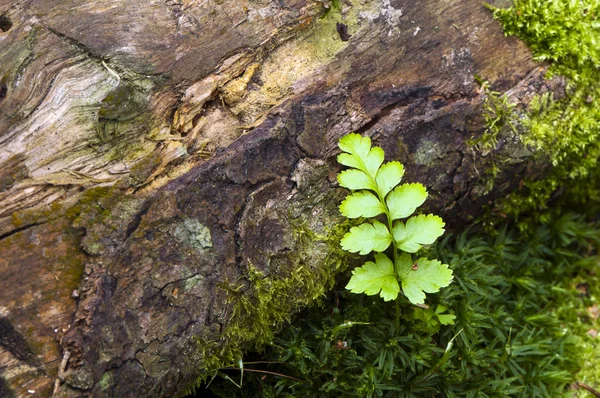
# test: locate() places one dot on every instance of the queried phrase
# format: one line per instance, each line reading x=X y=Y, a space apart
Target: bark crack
x=137 y=219
x=79 y=45
x=407 y=97
x=91 y=54
x=20 y=229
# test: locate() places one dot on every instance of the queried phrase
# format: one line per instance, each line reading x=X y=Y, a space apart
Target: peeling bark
x=153 y=152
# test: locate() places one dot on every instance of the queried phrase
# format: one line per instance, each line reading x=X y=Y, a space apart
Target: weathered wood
x=215 y=123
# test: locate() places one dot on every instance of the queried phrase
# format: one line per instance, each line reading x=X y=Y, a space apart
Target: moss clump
x=72 y=264
x=89 y=199
x=262 y=304
x=498 y=113
x=105 y=381
x=93 y=200
x=28 y=217
x=502 y=135
x=567 y=132
x=101 y=211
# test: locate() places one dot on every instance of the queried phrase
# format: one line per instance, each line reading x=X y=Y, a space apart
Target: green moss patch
x=565 y=131
x=263 y=304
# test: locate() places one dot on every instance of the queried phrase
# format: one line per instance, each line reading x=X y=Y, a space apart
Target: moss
x=120 y=116
x=580 y=313
x=498 y=113
x=56 y=210
x=99 y=211
x=105 y=381
x=27 y=217
x=71 y=264
x=263 y=304
x=123 y=103
x=503 y=136
x=566 y=132
x=331 y=7
x=89 y=200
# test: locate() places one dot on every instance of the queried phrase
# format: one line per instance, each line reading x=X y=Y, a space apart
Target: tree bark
x=155 y=152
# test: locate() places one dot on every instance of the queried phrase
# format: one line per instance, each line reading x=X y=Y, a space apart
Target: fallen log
x=167 y=171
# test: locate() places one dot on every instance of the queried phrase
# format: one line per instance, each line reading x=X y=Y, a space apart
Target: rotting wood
x=147 y=256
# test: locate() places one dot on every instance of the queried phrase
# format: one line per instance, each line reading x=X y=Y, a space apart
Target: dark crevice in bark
x=406 y=98
x=79 y=45
x=142 y=366
x=137 y=219
x=3 y=91
x=20 y=229
x=12 y=341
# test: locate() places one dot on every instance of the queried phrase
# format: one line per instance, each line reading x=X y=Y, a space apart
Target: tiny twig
x=241 y=22
x=588 y=388
x=85 y=176
x=267 y=372
x=267 y=362
x=111 y=71
x=61 y=371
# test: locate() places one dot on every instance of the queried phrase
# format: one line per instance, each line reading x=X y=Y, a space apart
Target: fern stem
x=394 y=248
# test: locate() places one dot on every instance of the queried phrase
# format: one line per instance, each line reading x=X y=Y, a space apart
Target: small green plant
x=377 y=191
x=498 y=112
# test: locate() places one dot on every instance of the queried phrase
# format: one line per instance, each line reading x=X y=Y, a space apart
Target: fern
x=377 y=191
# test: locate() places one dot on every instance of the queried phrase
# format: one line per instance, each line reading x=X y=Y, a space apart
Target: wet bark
x=153 y=151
